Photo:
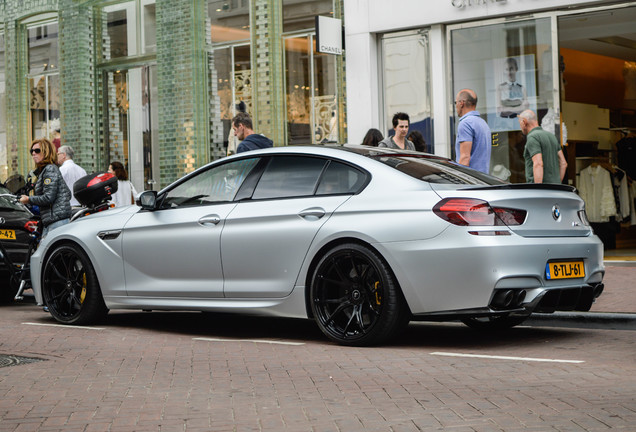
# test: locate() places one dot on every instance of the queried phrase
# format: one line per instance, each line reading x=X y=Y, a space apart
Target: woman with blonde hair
x=50 y=193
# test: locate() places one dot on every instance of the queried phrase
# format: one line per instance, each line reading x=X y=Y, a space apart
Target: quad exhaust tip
x=598 y=290
x=508 y=299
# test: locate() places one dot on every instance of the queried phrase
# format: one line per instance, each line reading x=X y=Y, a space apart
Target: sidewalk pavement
x=619 y=295
x=617 y=304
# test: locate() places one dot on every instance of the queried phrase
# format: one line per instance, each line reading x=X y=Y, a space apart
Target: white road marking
x=63 y=326
x=250 y=340
x=505 y=357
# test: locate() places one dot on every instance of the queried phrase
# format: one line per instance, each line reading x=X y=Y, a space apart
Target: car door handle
x=313 y=213
x=209 y=220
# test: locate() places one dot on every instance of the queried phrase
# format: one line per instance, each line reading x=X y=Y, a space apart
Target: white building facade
x=571 y=61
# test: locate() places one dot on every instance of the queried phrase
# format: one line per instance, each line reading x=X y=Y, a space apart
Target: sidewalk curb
x=610 y=320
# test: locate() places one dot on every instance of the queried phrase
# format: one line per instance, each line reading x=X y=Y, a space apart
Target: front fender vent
x=109 y=235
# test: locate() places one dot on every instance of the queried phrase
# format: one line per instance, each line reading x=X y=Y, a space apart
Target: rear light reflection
x=474 y=212
x=583 y=217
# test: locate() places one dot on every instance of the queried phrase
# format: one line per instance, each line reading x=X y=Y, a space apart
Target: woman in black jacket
x=51 y=193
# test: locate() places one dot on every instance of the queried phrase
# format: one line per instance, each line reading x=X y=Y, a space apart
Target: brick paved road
x=620 y=291
x=148 y=372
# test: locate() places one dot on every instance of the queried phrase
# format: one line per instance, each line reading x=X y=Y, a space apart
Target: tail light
x=31 y=226
x=474 y=212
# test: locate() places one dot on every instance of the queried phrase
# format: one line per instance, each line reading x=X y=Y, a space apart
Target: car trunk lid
x=552 y=210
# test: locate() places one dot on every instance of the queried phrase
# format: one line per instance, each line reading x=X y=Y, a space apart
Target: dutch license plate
x=564 y=270
x=7 y=234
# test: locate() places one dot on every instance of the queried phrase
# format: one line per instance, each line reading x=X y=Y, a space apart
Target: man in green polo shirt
x=544 y=158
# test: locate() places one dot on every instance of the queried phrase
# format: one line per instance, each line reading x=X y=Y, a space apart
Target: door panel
x=264 y=243
x=175 y=252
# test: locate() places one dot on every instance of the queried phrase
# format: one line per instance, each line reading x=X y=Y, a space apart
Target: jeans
x=54 y=225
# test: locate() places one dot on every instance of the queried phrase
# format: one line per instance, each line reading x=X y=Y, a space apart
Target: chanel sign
x=460 y=4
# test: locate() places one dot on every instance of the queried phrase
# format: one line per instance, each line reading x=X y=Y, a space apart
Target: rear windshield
x=437 y=170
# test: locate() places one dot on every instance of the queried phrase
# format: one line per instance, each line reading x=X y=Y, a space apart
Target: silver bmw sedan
x=361 y=240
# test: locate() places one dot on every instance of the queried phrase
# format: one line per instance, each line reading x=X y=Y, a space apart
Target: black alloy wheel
x=70 y=287
x=9 y=284
x=355 y=298
x=495 y=322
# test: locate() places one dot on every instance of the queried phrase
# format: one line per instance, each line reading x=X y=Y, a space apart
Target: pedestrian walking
x=543 y=156
x=474 y=139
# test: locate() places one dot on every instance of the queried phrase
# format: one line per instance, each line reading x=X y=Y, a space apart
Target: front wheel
x=355 y=298
x=70 y=287
x=498 y=322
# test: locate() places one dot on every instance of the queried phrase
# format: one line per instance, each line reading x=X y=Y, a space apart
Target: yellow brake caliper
x=83 y=294
x=378 y=299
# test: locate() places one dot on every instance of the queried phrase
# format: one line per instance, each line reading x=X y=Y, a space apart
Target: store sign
x=328 y=35
x=460 y=4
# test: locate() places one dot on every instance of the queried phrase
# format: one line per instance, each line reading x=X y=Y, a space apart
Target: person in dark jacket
x=243 y=130
x=51 y=193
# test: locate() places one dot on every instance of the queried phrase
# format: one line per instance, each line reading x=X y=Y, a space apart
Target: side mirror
x=148 y=200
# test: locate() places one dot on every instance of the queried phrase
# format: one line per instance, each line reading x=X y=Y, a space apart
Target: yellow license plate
x=7 y=234
x=564 y=270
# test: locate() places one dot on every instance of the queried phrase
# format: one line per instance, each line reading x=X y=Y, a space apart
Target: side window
x=218 y=184
x=289 y=176
x=340 y=179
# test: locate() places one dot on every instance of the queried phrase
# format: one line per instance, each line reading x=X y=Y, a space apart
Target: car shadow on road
x=416 y=335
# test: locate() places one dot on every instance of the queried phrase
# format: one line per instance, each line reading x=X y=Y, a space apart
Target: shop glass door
x=510 y=66
x=233 y=85
x=310 y=79
x=406 y=82
x=130 y=127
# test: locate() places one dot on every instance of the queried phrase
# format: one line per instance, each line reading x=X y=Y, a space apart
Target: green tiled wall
x=188 y=122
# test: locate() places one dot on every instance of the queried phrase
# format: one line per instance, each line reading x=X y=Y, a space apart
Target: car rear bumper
x=441 y=277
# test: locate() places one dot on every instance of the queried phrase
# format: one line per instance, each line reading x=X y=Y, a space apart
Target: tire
x=9 y=288
x=494 y=323
x=355 y=298
x=70 y=287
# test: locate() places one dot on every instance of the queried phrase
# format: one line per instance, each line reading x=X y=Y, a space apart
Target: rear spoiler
x=544 y=186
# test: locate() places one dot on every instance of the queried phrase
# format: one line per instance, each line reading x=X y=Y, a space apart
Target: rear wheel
x=10 y=287
x=498 y=322
x=355 y=298
x=70 y=287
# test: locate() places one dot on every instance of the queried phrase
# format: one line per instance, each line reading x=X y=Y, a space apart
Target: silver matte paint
x=256 y=256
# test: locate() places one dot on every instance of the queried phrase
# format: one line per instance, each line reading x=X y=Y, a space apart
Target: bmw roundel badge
x=556 y=213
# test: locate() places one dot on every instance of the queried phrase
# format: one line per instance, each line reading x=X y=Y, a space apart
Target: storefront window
x=230 y=64
x=131 y=132
x=129 y=107
x=301 y=14
x=310 y=76
x=229 y=19
x=233 y=84
x=510 y=68
x=4 y=162
x=311 y=92
x=121 y=38
x=43 y=80
x=406 y=82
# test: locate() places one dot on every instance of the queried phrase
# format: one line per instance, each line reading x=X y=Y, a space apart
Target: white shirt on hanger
x=595 y=187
